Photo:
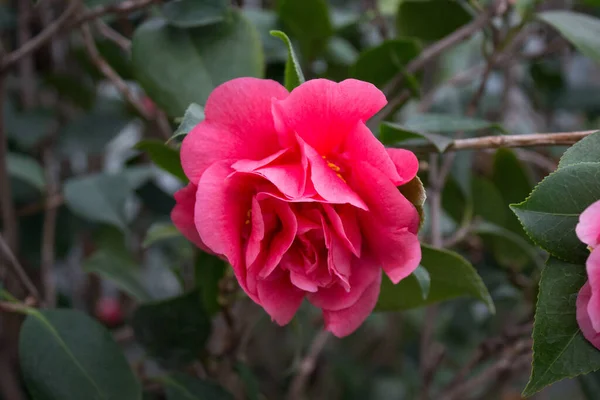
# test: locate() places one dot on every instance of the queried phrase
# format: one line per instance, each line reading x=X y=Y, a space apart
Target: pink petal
x=343 y=322
x=406 y=164
x=279 y=298
x=364 y=272
x=221 y=210
x=183 y=215
x=583 y=317
x=390 y=226
x=588 y=228
x=283 y=238
x=257 y=233
x=331 y=187
x=593 y=271
x=323 y=112
x=238 y=125
x=344 y=222
x=362 y=145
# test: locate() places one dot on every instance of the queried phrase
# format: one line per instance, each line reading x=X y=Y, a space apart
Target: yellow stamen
x=248 y=216
x=340 y=176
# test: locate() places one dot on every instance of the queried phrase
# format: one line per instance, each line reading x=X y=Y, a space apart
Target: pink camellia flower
x=296 y=193
x=588 y=299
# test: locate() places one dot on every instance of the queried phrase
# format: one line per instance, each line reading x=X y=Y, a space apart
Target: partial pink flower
x=588 y=299
x=296 y=193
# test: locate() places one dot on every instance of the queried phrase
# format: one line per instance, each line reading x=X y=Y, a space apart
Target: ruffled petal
x=238 y=125
x=323 y=112
x=407 y=164
x=279 y=298
x=588 y=228
x=343 y=322
x=183 y=215
x=593 y=271
x=583 y=317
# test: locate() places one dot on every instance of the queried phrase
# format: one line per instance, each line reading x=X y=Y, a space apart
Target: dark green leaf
x=559 y=348
x=586 y=150
x=122 y=271
x=423 y=279
x=293 y=72
x=309 y=22
x=487 y=201
x=447 y=123
x=26 y=169
x=167 y=158
x=414 y=191
x=340 y=52
x=510 y=176
x=551 y=212
x=160 y=231
x=199 y=59
x=451 y=276
x=99 y=198
x=391 y=133
x=430 y=19
x=209 y=270
x=182 y=387
x=580 y=29
x=175 y=330
x=249 y=380
x=267 y=21
x=65 y=355
x=194 y=13
x=380 y=64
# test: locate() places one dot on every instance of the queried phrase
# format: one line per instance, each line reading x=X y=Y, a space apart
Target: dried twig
x=124 y=7
x=109 y=72
x=307 y=366
x=42 y=38
x=7 y=254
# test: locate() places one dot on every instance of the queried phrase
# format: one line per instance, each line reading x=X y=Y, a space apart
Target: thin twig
x=12 y=307
x=49 y=229
x=18 y=269
x=307 y=366
x=113 y=35
x=9 y=217
x=109 y=72
x=124 y=7
x=42 y=38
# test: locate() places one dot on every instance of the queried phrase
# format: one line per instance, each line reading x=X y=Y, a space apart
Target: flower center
x=335 y=168
x=248 y=216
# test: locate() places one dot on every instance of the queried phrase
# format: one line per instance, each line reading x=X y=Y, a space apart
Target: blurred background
x=92 y=90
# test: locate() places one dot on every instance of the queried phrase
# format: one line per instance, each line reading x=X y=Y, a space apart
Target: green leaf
x=173 y=331
x=430 y=20
x=423 y=279
x=167 y=158
x=99 y=198
x=580 y=29
x=340 y=52
x=391 y=133
x=559 y=348
x=160 y=231
x=194 y=13
x=183 y=387
x=586 y=150
x=448 y=123
x=309 y=22
x=380 y=64
x=510 y=177
x=249 y=380
x=450 y=274
x=178 y=67
x=551 y=212
x=209 y=270
x=266 y=21
x=487 y=201
x=414 y=191
x=65 y=355
x=192 y=117
x=120 y=270
x=293 y=73
x=26 y=169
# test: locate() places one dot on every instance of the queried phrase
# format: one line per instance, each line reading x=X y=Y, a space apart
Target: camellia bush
x=299 y=199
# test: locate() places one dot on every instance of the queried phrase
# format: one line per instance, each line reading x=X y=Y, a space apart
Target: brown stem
x=26 y=66
x=307 y=366
x=7 y=254
x=113 y=35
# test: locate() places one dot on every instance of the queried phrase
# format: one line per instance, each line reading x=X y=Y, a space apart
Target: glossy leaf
x=120 y=270
x=451 y=276
x=424 y=280
x=209 y=269
x=293 y=72
x=26 y=169
x=99 y=198
x=309 y=22
x=192 y=117
x=559 y=348
x=510 y=176
x=430 y=19
x=178 y=67
x=586 y=150
x=183 y=387
x=580 y=29
x=167 y=158
x=551 y=212
x=173 y=331
x=160 y=231
x=65 y=355
x=380 y=64
x=194 y=13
